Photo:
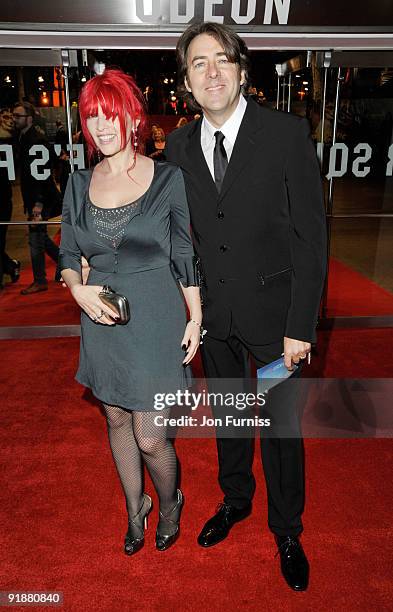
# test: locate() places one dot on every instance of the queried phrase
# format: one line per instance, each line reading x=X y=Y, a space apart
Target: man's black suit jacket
x=262 y=240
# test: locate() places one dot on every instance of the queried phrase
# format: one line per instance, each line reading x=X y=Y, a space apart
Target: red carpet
x=350 y=293
x=63 y=516
x=52 y=307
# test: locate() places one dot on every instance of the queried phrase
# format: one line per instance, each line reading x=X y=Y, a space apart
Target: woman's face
x=159 y=135
x=106 y=133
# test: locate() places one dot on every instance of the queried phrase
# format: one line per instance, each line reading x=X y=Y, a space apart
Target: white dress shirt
x=230 y=129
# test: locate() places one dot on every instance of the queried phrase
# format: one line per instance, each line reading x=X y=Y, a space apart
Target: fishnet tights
x=134 y=437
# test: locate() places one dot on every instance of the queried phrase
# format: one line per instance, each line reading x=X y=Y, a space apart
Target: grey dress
x=126 y=365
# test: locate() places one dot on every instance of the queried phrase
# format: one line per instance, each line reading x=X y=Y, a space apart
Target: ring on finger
x=101 y=315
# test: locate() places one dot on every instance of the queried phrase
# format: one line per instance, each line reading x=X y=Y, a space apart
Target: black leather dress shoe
x=217 y=528
x=294 y=564
x=15 y=271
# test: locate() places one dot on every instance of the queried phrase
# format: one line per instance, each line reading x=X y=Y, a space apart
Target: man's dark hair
x=234 y=47
x=28 y=108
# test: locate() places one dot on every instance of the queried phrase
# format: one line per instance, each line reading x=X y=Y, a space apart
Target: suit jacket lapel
x=196 y=160
x=245 y=145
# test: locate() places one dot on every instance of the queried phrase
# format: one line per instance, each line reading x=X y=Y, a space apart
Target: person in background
x=159 y=144
x=149 y=144
x=38 y=196
x=182 y=121
x=8 y=265
x=63 y=162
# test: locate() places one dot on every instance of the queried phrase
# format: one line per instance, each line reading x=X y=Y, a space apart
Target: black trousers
x=7 y=265
x=40 y=243
x=282 y=458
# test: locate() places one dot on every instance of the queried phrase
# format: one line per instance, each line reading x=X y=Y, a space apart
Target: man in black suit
x=256 y=202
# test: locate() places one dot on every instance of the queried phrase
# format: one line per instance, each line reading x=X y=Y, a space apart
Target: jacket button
x=223 y=248
x=222 y=281
x=220 y=214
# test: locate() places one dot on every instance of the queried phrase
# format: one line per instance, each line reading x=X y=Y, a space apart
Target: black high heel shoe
x=135 y=536
x=165 y=540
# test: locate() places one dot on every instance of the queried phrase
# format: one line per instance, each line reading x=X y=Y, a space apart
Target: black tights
x=134 y=437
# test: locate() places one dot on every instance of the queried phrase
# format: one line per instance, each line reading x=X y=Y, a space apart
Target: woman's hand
x=190 y=341
x=87 y=298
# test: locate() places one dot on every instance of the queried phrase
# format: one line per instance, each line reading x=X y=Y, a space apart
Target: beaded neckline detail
x=111 y=223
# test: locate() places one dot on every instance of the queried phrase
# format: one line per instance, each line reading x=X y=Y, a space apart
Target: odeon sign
x=261 y=15
x=338 y=160
x=242 y=12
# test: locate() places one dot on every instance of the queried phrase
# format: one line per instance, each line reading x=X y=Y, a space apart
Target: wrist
x=195 y=321
x=74 y=288
x=195 y=316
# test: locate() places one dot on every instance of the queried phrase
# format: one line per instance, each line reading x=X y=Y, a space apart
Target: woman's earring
x=135 y=139
x=99 y=155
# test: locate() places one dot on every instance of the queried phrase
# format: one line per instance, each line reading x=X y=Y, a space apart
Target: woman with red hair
x=129 y=217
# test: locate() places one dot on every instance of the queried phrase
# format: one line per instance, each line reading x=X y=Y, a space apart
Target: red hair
x=118 y=95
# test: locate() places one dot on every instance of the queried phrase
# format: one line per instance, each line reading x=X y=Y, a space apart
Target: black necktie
x=220 y=160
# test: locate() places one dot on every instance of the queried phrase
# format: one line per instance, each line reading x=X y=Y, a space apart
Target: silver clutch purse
x=118 y=303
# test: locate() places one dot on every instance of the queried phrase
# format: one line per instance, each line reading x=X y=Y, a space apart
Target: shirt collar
x=231 y=126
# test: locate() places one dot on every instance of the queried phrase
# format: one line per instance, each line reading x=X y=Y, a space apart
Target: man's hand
x=36 y=212
x=294 y=350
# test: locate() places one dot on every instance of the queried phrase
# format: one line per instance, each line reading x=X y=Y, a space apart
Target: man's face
x=20 y=118
x=213 y=80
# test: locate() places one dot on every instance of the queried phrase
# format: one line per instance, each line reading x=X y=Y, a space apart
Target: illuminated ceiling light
x=40 y=79
x=306 y=89
x=7 y=79
x=171 y=80
x=297 y=76
x=83 y=79
x=171 y=92
x=305 y=82
x=173 y=98
x=166 y=81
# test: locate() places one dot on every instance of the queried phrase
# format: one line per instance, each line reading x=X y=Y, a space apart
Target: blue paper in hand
x=273 y=373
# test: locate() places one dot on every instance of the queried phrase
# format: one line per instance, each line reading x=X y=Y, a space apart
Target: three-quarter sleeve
x=70 y=254
x=182 y=252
